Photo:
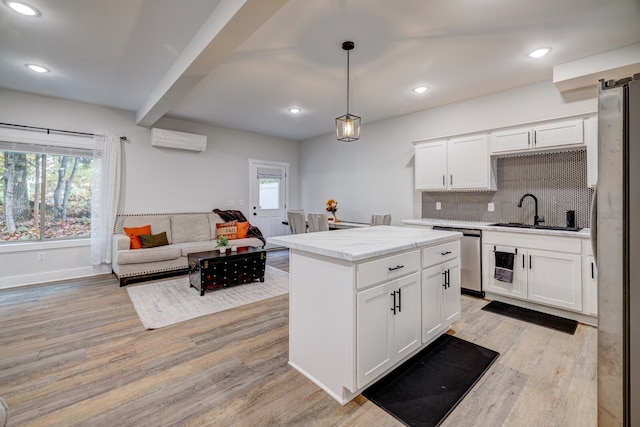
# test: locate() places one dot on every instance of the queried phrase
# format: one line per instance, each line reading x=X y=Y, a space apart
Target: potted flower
x=332 y=206
x=222 y=243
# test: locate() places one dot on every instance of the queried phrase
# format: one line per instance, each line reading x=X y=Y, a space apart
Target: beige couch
x=186 y=233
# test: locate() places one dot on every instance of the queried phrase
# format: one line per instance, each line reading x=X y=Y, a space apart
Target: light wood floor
x=75 y=353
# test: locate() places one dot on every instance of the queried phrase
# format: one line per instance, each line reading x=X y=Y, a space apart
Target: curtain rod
x=122 y=138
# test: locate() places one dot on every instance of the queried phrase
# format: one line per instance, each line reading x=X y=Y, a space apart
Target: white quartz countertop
x=486 y=226
x=357 y=244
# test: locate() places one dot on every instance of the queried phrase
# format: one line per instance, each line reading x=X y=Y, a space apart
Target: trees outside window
x=44 y=196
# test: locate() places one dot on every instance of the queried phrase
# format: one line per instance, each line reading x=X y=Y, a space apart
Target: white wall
x=375 y=174
x=154 y=179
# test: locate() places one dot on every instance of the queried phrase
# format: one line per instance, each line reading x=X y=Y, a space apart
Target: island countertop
x=357 y=244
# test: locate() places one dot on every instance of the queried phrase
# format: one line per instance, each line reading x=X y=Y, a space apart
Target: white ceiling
x=138 y=55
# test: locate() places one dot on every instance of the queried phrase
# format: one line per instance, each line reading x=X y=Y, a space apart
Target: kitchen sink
x=538 y=227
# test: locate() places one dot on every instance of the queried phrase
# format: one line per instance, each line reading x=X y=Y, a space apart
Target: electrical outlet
x=438 y=206
x=491 y=207
x=231 y=203
x=42 y=256
x=241 y=202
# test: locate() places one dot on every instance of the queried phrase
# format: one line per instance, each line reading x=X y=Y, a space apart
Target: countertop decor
x=332 y=207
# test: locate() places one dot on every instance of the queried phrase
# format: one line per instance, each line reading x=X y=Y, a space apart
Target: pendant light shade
x=348 y=126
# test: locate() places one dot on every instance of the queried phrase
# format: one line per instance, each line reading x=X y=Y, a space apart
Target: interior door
x=268 y=184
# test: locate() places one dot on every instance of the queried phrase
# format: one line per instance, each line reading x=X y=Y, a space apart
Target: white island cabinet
x=356 y=301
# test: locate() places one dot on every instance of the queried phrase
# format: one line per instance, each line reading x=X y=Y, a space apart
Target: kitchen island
x=363 y=300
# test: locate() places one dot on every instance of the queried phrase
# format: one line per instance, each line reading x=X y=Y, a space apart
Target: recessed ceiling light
x=22 y=8
x=420 y=89
x=539 y=53
x=37 y=68
x=294 y=110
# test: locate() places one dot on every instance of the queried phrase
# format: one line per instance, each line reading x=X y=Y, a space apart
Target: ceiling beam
x=230 y=24
x=611 y=65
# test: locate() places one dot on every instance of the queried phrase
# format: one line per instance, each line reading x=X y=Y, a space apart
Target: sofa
x=185 y=233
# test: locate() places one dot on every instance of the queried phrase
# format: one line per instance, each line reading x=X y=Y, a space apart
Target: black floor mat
x=541 y=319
x=426 y=388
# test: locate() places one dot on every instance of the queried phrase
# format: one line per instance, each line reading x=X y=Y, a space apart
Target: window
x=45 y=192
x=269 y=180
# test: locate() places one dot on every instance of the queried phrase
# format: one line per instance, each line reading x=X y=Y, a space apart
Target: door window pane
x=269 y=193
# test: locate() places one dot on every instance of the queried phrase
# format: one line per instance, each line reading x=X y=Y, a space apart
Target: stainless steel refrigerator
x=616 y=238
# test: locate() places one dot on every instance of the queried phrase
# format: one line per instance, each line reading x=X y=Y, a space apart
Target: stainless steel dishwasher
x=470 y=260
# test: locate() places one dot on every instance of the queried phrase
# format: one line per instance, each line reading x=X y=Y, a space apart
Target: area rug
x=536 y=317
x=426 y=388
x=172 y=301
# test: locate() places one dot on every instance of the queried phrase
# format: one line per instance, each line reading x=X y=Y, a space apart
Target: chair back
x=297 y=223
x=381 y=219
x=318 y=222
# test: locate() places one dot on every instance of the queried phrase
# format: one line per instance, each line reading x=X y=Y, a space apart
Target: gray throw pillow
x=153 y=240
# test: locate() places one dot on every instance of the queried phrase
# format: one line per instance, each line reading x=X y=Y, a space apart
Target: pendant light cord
x=348 y=82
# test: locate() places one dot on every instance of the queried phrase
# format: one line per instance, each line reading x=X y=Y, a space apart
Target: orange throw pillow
x=243 y=229
x=228 y=229
x=134 y=232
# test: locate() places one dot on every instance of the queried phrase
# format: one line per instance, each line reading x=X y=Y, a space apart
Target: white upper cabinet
x=461 y=163
x=431 y=165
x=516 y=139
x=538 y=137
x=591 y=140
x=469 y=164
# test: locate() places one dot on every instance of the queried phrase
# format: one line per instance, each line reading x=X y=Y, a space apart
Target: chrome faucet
x=536 y=219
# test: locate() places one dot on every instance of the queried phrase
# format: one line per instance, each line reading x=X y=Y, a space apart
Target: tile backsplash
x=558 y=180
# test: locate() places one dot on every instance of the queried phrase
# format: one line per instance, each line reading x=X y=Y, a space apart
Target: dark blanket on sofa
x=230 y=215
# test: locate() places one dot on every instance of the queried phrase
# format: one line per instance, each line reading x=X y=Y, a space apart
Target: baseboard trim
x=52 y=276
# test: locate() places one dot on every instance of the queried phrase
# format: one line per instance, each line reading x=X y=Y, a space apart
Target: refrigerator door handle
x=593 y=227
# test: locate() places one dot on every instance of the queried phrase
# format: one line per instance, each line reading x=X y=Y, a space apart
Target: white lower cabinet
x=590 y=285
x=549 y=272
x=388 y=326
x=440 y=298
x=517 y=287
x=554 y=278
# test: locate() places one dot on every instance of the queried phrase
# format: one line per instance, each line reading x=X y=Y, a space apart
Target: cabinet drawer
x=440 y=253
x=391 y=267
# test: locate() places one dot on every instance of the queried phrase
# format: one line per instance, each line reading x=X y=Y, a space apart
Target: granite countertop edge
x=353 y=245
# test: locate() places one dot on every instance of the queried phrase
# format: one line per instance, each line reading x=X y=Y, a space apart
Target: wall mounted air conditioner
x=178 y=140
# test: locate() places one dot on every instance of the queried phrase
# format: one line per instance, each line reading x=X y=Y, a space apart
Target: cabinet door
x=406 y=321
x=554 y=278
x=431 y=165
x=517 y=139
x=468 y=162
x=566 y=132
x=432 y=287
x=518 y=286
x=589 y=285
x=374 y=333
x=451 y=301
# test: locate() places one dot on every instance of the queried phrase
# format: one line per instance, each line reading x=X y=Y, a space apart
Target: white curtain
x=105 y=194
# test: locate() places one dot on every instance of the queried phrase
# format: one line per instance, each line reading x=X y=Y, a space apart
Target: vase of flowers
x=332 y=207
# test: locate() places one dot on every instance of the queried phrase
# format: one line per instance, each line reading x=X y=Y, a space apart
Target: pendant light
x=348 y=126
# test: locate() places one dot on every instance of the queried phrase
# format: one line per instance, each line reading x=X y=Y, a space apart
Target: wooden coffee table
x=212 y=270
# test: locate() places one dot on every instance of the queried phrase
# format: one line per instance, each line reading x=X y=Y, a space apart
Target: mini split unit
x=178 y=140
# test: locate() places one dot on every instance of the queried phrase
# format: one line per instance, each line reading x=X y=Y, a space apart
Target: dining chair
x=297 y=224
x=318 y=222
x=381 y=219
